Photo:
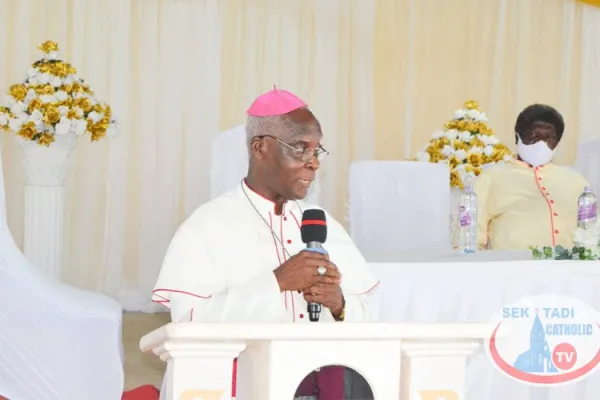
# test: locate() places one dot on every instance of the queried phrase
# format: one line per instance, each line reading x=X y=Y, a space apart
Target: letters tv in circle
x=545 y=340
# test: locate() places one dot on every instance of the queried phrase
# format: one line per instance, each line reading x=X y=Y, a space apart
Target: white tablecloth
x=471 y=288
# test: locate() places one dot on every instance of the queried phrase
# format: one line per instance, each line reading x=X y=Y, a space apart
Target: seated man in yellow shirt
x=529 y=201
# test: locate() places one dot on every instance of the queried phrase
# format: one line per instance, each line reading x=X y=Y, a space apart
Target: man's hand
x=300 y=271
x=329 y=296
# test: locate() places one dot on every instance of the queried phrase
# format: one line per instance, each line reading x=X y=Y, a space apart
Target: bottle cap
x=588 y=189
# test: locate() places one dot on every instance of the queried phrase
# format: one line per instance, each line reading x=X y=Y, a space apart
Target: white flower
x=468 y=178
x=44 y=78
x=476 y=115
x=507 y=158
x=465 y=136
x=63 y=110
x=36 y=117
x=9 y=101
x=587 y=237
x=23 y=117
x=488 y=139
x=30 y=96
x=61 y=95
x=447 y=151
x=79 y=126
x=460 y=155
x=111 y=131
x=53 y=55
x=17 y=108
x=451 y=134
x=47 y=98
x=64 y=126
x=460 y=114
x=15 y=124
x=438 y=135
x=33 y=81
x=488 y=150
x=423 y=156
x=95 y=116
x=460 y=167
x=31 y=72
x=69 y=80
x=56 y=81
x=3 y=119
x=78 y=111
x=476 y=150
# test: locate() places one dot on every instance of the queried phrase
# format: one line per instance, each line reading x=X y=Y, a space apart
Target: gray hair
x=261 y=126
x=271 y=126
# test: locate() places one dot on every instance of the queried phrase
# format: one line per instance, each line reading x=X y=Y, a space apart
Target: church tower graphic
x=538 y=359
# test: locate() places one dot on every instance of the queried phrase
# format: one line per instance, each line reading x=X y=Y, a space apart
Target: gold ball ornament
x=471 y=105
x=48 y=46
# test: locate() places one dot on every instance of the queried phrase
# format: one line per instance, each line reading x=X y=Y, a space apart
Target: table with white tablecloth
x=453 y=287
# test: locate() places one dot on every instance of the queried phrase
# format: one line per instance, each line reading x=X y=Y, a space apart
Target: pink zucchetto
x=275 y=102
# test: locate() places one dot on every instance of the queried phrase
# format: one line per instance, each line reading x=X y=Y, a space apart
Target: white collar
x=263 y=204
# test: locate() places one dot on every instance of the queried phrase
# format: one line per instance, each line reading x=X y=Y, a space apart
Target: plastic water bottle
x=467 y=221
x=586 y=208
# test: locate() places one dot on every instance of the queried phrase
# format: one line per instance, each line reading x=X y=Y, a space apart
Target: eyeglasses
x=303 y=154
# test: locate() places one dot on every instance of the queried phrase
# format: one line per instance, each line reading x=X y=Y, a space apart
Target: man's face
x=540 y=131
x=287 y=172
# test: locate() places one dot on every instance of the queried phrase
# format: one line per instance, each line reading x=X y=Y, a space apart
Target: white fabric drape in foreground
x=382 y=76
x=57 y=342
x=398 y=207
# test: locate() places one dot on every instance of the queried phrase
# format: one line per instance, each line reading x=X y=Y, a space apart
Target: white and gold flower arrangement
x=467 y=144
x=53 y=101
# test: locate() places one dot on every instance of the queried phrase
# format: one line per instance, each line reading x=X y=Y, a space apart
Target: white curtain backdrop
x=589 y=104
x=381 y=76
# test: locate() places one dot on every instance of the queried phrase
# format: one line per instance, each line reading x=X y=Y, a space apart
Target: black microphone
x=314 y=234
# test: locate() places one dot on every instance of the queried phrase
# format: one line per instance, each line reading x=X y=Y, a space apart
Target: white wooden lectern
x=399 y=361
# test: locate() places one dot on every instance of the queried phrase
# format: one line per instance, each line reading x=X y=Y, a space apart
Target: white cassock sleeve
x=195 y=289
x=357 y=281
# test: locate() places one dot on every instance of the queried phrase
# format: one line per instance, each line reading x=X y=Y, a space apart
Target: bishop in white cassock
x=240 y=256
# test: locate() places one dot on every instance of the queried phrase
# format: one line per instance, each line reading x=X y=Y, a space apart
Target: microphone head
x=314 y=226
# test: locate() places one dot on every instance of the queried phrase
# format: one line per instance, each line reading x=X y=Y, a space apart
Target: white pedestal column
x=200 y=370
x=45 y=173
x=435 y=371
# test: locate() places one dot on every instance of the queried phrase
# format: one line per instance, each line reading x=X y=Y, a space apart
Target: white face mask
x=535 y=154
